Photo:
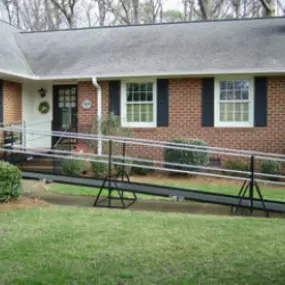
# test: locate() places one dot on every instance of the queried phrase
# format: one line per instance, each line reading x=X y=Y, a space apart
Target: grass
x=70 y=246
x=268 y=193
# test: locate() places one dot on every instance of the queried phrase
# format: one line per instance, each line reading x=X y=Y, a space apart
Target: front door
x=65 y=108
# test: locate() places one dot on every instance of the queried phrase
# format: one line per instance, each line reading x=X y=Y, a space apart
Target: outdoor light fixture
x=42 y=92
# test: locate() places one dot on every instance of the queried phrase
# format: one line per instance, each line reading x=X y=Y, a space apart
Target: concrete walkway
x=37 y=189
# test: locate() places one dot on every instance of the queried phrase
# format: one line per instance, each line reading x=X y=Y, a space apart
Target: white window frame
x=219 y=123
x=124 y=122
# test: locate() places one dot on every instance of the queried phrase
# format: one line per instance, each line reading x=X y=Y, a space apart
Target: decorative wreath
x=44 y=107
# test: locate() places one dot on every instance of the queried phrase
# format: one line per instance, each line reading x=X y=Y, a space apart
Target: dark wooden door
x=65 y=108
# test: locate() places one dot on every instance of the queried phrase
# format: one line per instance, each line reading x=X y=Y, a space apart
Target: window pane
x=245 y=117
x=245 y=107
x=244 y=95
x=238 y=117
x=136 y=97
x=136 y=112
x=238 y=107
x=230 y=95
x=223 y=107
x=149 y=87
x=129 y=113
x=230 y=85
x=237 y=95
x=223 y=117
x=129 y=97
x=64 y=118
x=230 y=117
x=73 y=91
x=230 y=107
x=223 y=85
x=223 y=95
x=143 y=87
x=149 y=96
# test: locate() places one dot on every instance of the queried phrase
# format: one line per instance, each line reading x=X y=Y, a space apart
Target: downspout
x=99 y=112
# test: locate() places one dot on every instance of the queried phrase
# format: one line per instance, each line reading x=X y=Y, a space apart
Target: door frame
x=56 y=88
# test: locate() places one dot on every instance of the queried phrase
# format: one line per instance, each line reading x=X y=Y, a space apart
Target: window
x=234 y=103
x=138 y=104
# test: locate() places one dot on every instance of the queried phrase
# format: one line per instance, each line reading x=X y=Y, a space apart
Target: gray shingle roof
x=11 y=57
x=183 y=48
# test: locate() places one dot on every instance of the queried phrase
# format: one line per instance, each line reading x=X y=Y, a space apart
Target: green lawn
x=70 y=246
x=268 y=193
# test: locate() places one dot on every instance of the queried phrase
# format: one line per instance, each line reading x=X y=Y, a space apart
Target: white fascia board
x=156 y=74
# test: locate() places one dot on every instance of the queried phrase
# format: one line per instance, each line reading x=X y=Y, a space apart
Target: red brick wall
x=185 y=118
x=12 y=101
x=87 y=91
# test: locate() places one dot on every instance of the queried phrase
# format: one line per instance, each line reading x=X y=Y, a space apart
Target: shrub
x=72 y=167
x=99 y=169
x=235 y=164
x=110 y=126
x=141 y=170
x=10 y=181
x=270 y=167
x=186 y=156
x=118 y=167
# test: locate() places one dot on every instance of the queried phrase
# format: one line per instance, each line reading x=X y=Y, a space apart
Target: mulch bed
x=22 y=203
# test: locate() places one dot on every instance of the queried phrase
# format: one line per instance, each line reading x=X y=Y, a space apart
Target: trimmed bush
x=235 y=164
x=99 y=169
x=270 y=167
x=141 y=170
x=72 y=167
x=186 y=156
x=10 y=181
x=118 y=167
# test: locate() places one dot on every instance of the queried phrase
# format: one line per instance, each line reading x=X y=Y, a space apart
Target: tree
x=172 y=16
x=269 y=7
x=206 y=9
x=67 y=8
x=12 y=11
x=151 y=12
x=102 y=11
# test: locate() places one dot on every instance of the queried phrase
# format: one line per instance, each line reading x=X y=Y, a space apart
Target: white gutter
x=99 y=112
x=196 y=73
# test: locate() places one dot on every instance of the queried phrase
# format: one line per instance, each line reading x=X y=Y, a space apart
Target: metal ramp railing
x=116 y=155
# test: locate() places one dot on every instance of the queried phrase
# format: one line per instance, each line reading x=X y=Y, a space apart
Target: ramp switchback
x=164 y=191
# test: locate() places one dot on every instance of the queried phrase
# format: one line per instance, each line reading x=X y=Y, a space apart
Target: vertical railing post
x=24 y=144
x=123 y=161
x=110 y=174
x=251 y=185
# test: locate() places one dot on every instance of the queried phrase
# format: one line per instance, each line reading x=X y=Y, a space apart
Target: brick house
x=221 y=81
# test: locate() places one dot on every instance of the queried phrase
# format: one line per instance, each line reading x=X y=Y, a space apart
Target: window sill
x=139 y=126
x=233 y=126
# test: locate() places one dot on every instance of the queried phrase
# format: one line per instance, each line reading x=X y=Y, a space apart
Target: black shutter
x=162 y=102
x=208 y=102
x=115 y=97
x=1 y=101
x=260 y=101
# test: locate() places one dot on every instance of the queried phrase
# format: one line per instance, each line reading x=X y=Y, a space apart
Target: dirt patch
x=22 y=203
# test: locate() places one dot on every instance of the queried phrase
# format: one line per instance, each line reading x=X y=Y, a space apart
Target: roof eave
x=203 y=73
